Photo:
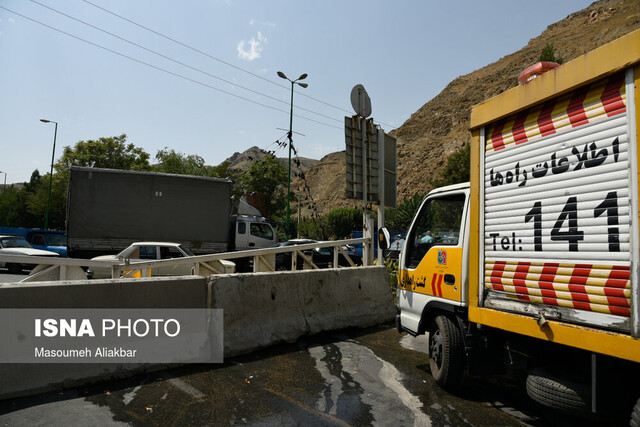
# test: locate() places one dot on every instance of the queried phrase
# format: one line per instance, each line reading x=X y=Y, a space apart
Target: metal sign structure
x=362 y=159
x=389 y=175
x=360 y=101
x=371 y=163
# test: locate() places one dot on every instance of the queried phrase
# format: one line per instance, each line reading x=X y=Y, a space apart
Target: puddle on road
x=419 y=343
x=128 y=397
x=360 y=384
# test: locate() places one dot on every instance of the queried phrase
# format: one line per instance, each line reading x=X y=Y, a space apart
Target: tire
x=559 y=391
x=446 y=352
x=14 y=268
x=635 y=415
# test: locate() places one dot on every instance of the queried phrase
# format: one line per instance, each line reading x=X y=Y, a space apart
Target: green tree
x=224 y=170
x=549 y=54
x=268 y=177
x=456 y=170
x=112 y=153
x=37 y=200
x=400 y=218
x=171 y=161
x=342 y=221
x=314 y=228
x=14 y=211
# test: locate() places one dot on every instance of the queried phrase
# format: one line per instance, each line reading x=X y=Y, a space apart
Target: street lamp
x=55 y=134
x=5 y=181
x=303 y=85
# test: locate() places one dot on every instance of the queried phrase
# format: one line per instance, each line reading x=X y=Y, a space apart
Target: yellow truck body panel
x=560 y=154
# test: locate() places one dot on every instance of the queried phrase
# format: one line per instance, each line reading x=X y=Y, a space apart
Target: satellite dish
x=360 y=101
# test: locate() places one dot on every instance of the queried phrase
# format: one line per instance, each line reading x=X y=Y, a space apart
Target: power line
x=179 y=62
x=209 y=55
x=162 y=69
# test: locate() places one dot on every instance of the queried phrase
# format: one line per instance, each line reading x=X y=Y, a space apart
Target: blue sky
x=216 y=92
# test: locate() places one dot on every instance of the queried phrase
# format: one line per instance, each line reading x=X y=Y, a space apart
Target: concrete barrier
x=260 y=309
x=160 y=292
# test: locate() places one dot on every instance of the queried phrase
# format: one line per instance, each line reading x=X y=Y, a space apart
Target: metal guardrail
x=264 y=260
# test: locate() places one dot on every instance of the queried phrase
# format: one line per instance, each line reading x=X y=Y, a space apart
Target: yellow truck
x=535 y=262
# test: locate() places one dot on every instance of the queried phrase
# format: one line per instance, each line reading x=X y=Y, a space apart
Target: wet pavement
x=358 y=377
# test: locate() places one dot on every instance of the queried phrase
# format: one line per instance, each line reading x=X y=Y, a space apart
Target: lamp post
x=5 y=181
x=55 y=135
x=303 y=85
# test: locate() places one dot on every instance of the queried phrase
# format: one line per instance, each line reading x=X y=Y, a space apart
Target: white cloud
x=252 y=22
x=253 y=48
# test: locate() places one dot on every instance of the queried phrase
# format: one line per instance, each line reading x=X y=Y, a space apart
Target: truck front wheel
x=446 y=352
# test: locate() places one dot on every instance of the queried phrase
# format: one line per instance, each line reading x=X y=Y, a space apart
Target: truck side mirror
x=383 y=238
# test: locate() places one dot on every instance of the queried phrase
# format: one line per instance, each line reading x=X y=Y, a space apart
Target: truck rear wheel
x=635 y=415
x=446 y=352
x=558 y=391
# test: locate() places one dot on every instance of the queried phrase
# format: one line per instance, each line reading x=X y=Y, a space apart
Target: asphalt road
x=358 y=377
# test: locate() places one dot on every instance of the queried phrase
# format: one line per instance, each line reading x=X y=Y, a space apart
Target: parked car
x=283 y=260
x=323 y=257
x=394 y=250
x=146 y=251
x=16 y=245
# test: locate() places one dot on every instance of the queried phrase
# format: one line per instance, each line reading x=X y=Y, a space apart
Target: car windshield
x=187 y=251
x=14 y=242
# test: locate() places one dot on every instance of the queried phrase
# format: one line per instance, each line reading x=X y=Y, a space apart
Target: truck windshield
x=438 y=224
x=263 y=231
x=56 y=240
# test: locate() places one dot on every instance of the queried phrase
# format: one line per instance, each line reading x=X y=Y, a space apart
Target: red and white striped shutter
x=556 y=207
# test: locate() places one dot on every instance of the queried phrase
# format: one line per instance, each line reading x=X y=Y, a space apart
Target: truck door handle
x=252 y=244
x=449 y=279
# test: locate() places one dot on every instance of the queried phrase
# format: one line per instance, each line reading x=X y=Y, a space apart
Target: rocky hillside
x=243 y=160
x=440 y=127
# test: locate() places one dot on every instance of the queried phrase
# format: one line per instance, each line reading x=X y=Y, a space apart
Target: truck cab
x=54 y=241
x=433 y=265
x=252 y=232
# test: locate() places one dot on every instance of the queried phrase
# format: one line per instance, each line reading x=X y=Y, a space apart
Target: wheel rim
x=436 y=347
